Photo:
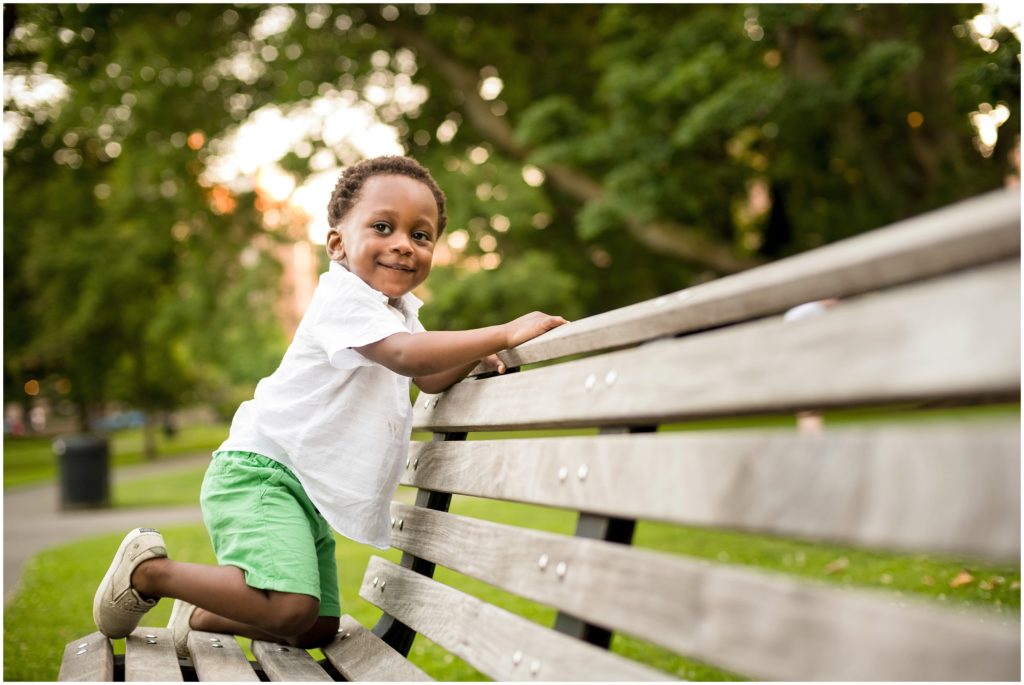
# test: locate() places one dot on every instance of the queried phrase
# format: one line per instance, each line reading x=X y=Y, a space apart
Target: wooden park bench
x=929 y=315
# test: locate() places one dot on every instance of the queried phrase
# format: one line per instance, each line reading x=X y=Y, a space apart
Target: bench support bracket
x=609 y=529
x=389 y=629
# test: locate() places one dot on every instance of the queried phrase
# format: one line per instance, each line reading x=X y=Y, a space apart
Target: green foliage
x=531 y=282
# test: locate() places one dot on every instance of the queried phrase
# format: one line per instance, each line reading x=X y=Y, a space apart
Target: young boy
x=321 y=444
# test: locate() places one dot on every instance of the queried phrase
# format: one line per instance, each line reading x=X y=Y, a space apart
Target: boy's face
x=387 y=238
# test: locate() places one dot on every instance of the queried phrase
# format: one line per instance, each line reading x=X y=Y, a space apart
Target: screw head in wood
x=283 y=649
x=535 y=668
x=416 y=463
x=84 y=645
x=517 y=658
x=217 y=645
x=214 y=639
x=81 y=652
x=150 y=642
x=563 y=473
x=611 y=377
x=375 y=581
x=582 y=472
x=408 y=462
x=401 y=524
x=589 y=383
x=542 y=563
x=561 y=569
x=151 y=636
x=393 y=521
x=382 y=585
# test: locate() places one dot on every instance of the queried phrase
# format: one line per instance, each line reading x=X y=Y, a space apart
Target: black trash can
x=84 y=463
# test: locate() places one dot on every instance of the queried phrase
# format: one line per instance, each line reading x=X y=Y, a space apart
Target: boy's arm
x=439 y=382
x=438 y=359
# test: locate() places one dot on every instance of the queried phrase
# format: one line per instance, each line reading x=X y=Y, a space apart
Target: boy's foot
x=181 y=615
x=117 y=607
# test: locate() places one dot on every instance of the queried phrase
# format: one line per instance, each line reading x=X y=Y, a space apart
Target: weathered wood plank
x=964 y=235
x=938 y=488
x=954 y=337
x=88 y=659
x=149 y=656
x=500 y=644
x=284 y=663
x=765 y=625
x=358 y=654
x=217 y=657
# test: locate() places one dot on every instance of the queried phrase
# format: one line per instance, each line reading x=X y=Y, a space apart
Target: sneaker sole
x=109 y=576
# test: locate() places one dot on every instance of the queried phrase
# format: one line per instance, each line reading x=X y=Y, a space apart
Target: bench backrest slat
x=149 y=656
x=948 y=489
x=89 y=659
x=717 y=613
x=359 y=655
x=914 y=342
x=288 y=663
x=967 y=234
x=500 y=644
x=219 y=658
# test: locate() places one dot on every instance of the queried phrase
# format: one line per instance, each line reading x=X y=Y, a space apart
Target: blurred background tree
x=593 y=155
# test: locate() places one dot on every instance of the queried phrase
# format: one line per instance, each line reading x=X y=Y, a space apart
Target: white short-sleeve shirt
x=338 y=420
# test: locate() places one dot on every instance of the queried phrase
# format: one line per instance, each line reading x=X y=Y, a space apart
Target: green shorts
x=261 y=520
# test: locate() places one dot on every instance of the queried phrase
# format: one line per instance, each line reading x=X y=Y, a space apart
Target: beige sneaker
x=117 y=608
x=181 y=616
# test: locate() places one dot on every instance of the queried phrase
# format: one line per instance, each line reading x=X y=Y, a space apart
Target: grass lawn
x=31 y=460
x=54 y=604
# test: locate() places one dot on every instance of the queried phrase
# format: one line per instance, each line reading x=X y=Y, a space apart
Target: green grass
x=167 y=490
x=53 y=605
x=31 y=460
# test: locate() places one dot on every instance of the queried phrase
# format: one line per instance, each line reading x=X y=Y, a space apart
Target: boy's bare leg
x=222 y=591
x=322 y=632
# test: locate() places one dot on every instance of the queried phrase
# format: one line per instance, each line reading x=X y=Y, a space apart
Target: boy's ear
x=335 y=245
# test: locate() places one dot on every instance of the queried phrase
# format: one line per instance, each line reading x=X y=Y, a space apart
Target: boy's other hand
x=529 y=326
x=492 y=362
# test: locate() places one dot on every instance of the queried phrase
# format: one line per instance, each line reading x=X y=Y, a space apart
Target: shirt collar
x=408 y=302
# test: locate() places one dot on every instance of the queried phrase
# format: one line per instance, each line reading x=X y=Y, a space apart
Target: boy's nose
x=401 y=244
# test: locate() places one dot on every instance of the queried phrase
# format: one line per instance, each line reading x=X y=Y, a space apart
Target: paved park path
x=33 y=521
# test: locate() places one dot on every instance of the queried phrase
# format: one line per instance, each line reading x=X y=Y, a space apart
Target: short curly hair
x=346 y=191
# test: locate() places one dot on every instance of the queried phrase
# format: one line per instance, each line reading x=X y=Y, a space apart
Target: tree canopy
x=593 y=156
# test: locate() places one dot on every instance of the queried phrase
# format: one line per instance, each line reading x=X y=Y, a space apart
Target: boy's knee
x=293 y=615
x=321 y=634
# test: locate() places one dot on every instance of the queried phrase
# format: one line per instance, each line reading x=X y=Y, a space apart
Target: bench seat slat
x=957 y=337
x=964 y=235
x=361 y=655
x=284 y=663
x=946 y=489
x=88 y=659
x=149 y=656
x=500 y=644
x=217 y=657
x=766 y=625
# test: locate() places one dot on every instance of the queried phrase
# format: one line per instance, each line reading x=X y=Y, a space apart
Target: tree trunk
x=149 y=430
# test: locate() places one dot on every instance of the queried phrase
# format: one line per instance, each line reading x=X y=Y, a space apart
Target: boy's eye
x=381 y=227
x=421 y=235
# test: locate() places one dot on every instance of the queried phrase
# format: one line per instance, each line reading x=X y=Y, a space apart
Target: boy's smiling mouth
x=397 y=267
